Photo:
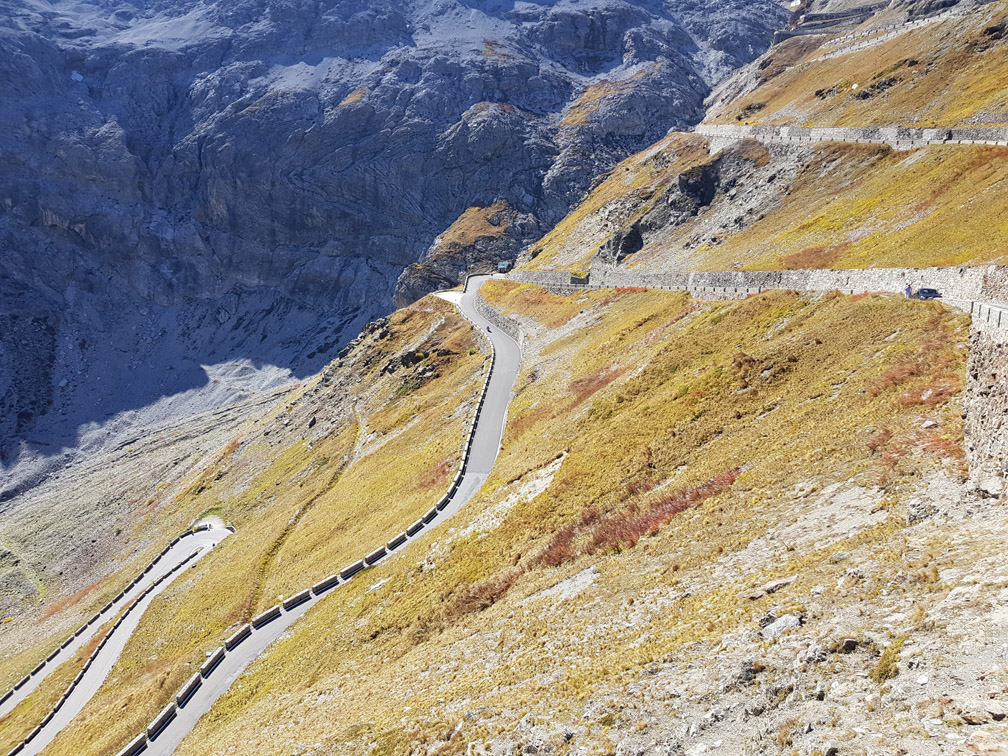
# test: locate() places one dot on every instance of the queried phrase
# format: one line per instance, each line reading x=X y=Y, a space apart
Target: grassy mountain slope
x=765 y=206
x=362 y=449
x=947 y=73
x=828 y=205
x=663 y=458
x=742 y=523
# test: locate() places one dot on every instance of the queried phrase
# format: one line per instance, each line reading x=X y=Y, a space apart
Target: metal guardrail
x=80 y=676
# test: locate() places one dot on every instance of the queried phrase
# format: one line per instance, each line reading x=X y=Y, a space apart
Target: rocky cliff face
x=186 y=185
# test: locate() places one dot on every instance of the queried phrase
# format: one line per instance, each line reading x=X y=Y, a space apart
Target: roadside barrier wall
x=889 y=31
x=980 y=290
x=896 y=137
x=844 y=36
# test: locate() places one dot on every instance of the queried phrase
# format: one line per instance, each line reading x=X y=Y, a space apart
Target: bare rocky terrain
x=898 y=653
x=200 y=201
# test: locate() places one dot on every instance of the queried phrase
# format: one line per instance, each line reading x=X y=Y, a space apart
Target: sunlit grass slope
x=948 y=73
x=832 y=204
x=860 y=206
x=829 y=205
x=622 y=197
x=653 y=447
x=351 y=458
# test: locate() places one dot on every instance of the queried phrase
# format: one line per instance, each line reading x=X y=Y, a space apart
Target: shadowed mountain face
x=203 y=199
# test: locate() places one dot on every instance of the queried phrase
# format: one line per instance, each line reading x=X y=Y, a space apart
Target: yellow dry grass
x=304 y=506
x=646 y=397
x=641 y=179
x=356 y=96
x=858 y=206
x=588 y=102
x=850 y=206
x=474 y=224
x=949 y=73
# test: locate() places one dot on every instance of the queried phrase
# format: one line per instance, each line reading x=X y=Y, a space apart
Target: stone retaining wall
x=887 y=31
x=963 y=287
x=985 y=410
x=981 y=291
x=508 y=326
x=846 y=43
x=860 y=10
x=971 y=289
x=562 y=284
x=783 y=34
x=896 y=137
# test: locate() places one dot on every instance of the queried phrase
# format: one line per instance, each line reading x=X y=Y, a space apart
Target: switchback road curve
x=183 y=552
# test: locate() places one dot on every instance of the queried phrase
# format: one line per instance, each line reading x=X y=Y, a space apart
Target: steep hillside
x=689 y=204
x=767 y=206
x=678 y=484
x=949 y=72
x=366 y=446
x=735 y=527
x=200 y=190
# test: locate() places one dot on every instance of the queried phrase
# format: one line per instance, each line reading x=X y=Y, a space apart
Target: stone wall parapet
x=973 y=289
x=897 y=137
x=508 y=326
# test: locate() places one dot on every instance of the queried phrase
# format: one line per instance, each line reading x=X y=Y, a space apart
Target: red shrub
x=559 y=549
x=879 y=440
x=622 y=530
x=587 y=385
x=481 y=595
x=638 y=486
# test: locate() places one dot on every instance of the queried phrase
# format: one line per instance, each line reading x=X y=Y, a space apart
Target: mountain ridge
x=294 y=159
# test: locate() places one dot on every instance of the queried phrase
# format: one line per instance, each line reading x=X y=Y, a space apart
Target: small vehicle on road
x=488 y=329
x=926 y=293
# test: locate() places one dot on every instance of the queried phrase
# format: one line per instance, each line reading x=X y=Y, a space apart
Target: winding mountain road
x=184 y=552
x=179 y=718
x=483 y=452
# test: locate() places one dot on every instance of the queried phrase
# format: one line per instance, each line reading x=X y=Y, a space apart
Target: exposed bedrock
x=293 y=159
x=985 y=410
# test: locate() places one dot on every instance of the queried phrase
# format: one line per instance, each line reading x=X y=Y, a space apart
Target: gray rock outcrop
x=186 y=184
x=985 y=411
